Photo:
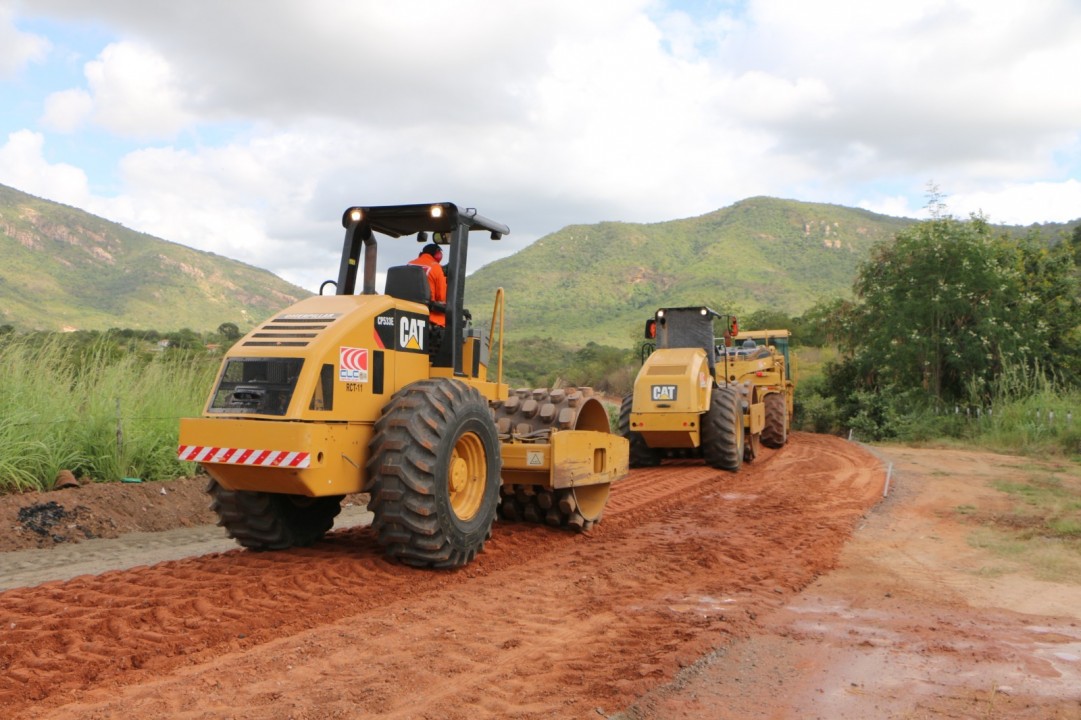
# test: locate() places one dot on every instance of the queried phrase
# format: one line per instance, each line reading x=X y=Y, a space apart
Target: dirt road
x=545 y=624
x=919 y=620
x=701 y=595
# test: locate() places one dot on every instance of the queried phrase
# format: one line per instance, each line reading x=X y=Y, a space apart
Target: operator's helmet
x=748 y=344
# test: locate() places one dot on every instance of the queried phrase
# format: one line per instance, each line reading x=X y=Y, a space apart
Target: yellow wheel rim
x=468 y=476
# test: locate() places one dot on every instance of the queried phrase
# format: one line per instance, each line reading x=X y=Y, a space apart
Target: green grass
x=1039 y=424
x=1051 y=497
x=1066 y=527
x=102 y=413
x=1001 y=544
x=1040 y=532
x=1043 y=558
x=993 y=571
x=1016 y=425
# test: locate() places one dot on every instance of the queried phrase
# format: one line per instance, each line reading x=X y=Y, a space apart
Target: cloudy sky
x=246 y=127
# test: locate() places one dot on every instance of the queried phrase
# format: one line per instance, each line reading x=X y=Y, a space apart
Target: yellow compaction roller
x=699 y=396
x=354 y=392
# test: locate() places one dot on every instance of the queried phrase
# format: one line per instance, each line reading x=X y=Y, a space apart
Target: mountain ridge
x=758 y=253
x=67 y=269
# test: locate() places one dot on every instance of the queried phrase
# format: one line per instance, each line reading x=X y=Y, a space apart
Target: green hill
x=600 y=282
x=66 y=269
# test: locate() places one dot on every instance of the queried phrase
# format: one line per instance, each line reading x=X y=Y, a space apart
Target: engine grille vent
x=666 y=370
x=290 y=330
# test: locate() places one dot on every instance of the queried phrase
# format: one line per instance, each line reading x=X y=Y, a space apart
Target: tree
x=1052 y=279
x=229 y=331
x=1073 y=242
x=766 y=319
x=184 y=339
x=822 y=324
x=946 y=306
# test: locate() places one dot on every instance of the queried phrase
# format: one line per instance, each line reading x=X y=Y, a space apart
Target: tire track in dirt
x=545 y=622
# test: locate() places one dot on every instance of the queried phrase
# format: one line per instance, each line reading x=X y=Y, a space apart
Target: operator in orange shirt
x=429 y=258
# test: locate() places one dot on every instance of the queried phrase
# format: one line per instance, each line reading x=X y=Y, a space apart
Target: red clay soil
x=544 y=623
x=685 y=602
x=919 y=620
x=101 y=510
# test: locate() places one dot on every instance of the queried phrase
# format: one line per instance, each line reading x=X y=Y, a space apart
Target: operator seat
x=408 y=282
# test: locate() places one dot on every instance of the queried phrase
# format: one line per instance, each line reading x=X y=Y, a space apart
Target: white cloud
x=1009 y=204
x=23 y=166
x=1018 y=204
x=909 y=86
x=136 y=92
x=17 y=48
x=248 y=201
x=66 y=110
x=758 y=97
x=544 y=114
x=925 y=84
x=896 y=205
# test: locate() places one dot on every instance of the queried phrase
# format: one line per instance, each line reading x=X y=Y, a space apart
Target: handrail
x=498 y=309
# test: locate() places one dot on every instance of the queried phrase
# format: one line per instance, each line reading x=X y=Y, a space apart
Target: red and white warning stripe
x=240 y=456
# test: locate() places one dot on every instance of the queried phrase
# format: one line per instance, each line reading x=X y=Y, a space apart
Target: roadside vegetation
x=104 y=406
x=957 y=333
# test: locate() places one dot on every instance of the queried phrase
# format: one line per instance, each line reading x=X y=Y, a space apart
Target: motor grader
x=697 y=395
x=345 y=393
x=760 y=363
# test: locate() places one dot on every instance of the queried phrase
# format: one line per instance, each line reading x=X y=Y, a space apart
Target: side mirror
x=651 y=329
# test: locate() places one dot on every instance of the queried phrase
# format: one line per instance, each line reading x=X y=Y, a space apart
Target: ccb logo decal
x=353 y=364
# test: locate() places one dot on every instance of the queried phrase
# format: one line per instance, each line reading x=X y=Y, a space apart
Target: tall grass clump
x=1031 y=414
x=101 y=412
x=1045 y=423
x=1024 y=410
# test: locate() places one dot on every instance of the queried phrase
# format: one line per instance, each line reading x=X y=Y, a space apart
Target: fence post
x=119 y=432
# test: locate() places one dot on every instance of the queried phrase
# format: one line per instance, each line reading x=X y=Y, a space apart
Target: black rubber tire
x=272 y=521
x=641 y=454
x=775 y=431
x=722 y=430
x=416 y=440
